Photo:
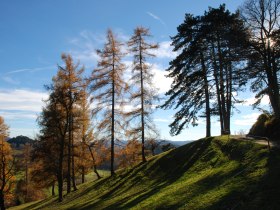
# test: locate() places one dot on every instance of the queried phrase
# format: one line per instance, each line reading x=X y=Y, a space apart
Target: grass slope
x=213 y=173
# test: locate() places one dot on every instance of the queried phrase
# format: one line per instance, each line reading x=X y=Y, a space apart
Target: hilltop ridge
x=212 y=173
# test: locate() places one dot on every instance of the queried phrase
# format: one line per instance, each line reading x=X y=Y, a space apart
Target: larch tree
x=45 y=167
x=143 y=92
x=57 y=120
x=69 y=82
x=6 y=165
x=87 y=159
x=53 y=122
x=107 y=88
x=262 y=18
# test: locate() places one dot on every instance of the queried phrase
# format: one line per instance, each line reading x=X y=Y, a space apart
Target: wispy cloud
x=84 y=46
x=18 y=115
x=30 y=69
x=22 y=100
x=247 y=120
x=20 y=109
x=156 y=18
x=10 y=80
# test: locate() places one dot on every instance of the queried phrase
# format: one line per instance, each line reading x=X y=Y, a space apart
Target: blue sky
x=35 y=33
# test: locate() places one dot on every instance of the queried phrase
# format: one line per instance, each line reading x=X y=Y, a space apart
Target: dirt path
x=258 y=140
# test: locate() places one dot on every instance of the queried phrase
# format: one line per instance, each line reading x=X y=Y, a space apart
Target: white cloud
x=22 y=100
x=161 y=120
x=18 y=115
x=251 y=100
x=247 y=120
x=165 y=50
x=264 y=102
x=161 y=82
x=156 y=18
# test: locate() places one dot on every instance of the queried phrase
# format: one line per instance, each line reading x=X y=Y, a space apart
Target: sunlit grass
x=213 y=173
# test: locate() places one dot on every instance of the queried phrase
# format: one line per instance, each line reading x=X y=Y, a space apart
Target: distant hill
x=178 y=143
x=213 y=173
x=20 y=141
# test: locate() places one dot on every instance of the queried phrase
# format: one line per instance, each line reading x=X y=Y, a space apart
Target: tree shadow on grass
x=262 y=193
x=167 y=168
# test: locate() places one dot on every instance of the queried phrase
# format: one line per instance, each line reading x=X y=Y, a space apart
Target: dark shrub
x=259 y=128
x=273 y=128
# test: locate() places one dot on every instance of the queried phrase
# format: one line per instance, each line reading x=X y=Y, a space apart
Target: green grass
x=213 y=173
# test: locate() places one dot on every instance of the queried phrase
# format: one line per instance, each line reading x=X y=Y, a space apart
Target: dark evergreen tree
x=227 y=40
x=190 y=87
x=212 y=50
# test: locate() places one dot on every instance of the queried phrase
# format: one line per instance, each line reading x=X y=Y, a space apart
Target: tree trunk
x=94 y=163
x=83 y=174
x=60 y=173
x=2 y=204
x=222 y=90
x=207 y=98
x=73 y=173
x=96 y=172
x=73 y=156
x=113 y=126
x=229 y=97
x=53 y=188
x=276 y=108
x=142 y=107
x=69 y=158
x=215 y=67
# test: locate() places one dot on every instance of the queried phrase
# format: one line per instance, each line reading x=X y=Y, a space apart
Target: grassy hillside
x=211 y=173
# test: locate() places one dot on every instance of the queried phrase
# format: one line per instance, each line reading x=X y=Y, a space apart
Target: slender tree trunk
x=229 y=97
x=217 y=87
x=142 y=106
x=83 y=174
x=83 y=151
x=207 y=98
x=53 y=188
x=60 y=174
x=113 y=126
x=73 y=173
x=96 y=172
x=222 y=89
x=2 y=201
x=73 y=156
x=69 y=160
x=94 y=163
